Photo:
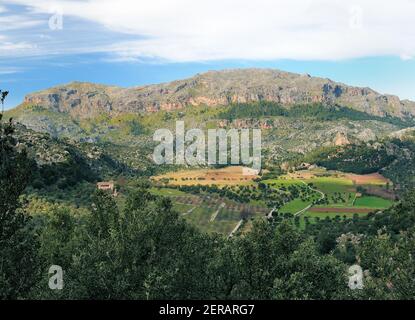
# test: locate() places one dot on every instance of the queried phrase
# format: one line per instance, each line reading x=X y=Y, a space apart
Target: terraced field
x=308 y=194
x=346 y=194
x=209 y=212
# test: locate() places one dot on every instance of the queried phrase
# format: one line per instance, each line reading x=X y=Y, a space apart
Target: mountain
x=297 y=113
x=217 y=88
x=90 y=131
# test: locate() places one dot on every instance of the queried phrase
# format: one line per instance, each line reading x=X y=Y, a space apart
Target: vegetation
x=146 y=251
x=140 y=246
x=359 y=159
x=372 y=202
x=18 y=245
x=315 y=111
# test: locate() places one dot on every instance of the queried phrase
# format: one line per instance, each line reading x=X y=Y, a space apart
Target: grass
x=281 y=182
x=294 y=206
x=372 y=202
x=347 y=196
x=226 y=215
x=200 y=217
x=182 y=208
x=330 y=185
x=200 y=214
x=363 y=202
x=167 y=192
x=339 y=189
x=259 y=203
x=333 y=187
x=222 y=227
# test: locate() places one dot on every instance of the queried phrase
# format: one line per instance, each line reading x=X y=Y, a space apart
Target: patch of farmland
x=372 y=202
x=340 y=210
x=294 y=206
x=234 y=175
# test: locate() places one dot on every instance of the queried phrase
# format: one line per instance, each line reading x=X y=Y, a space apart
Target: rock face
x=213 y=88
x=341 y=139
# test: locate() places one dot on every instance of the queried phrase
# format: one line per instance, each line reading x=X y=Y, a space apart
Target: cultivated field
x=308 y=194
x=342 y=193
x=211 y=213
x=235 y=175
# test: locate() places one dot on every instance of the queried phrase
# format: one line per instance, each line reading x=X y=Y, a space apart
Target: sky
x=44 y=43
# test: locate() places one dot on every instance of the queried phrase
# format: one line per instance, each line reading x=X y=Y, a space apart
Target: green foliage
x=315 y=111
x=391 y=265
x=18 y=246
x=146 y=251
x=64 y=174
x=361 y=159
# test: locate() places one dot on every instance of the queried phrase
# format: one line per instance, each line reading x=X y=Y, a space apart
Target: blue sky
x=128 y=43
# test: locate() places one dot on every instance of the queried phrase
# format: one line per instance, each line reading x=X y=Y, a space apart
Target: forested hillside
x=393 y=157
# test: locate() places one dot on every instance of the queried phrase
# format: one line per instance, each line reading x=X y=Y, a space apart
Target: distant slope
x=214 y=88
x=298 y=113
x=65 y=163
x=393 y=156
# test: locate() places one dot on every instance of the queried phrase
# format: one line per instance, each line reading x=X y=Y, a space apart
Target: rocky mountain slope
x=215 y=88
x=297 y=113
x=47 y=151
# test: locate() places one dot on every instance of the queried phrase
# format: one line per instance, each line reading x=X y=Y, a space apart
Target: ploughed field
x=233 y=175
x=227 y=201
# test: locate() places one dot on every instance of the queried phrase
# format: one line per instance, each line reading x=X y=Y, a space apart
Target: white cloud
x=406 y=57
x=9 y=70
x=13 y=22
x=6 y=48
x=191 y=30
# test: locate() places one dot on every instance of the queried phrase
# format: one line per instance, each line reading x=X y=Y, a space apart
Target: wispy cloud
x=6 y=48
x=13 y=22
x=189 y=30
x=9 y=70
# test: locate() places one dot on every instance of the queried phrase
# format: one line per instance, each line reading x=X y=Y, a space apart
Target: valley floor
x=218 y=200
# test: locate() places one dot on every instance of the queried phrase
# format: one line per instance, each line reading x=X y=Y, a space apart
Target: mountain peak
x=215 y=88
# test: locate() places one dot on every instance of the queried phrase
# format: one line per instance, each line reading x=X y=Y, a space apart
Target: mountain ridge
x=217 y=88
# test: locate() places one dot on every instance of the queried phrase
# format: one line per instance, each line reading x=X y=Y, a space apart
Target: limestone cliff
x=213 y=88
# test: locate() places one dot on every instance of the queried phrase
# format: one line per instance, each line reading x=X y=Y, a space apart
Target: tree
x=310 y=275
x=17 y=244
x=390 y=266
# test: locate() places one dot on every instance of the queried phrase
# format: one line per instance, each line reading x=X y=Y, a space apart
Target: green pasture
x=281 y=182
x=167 y=192
x=200 y=217
x=294 y=206
x=329 y=185
x=372 y=202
